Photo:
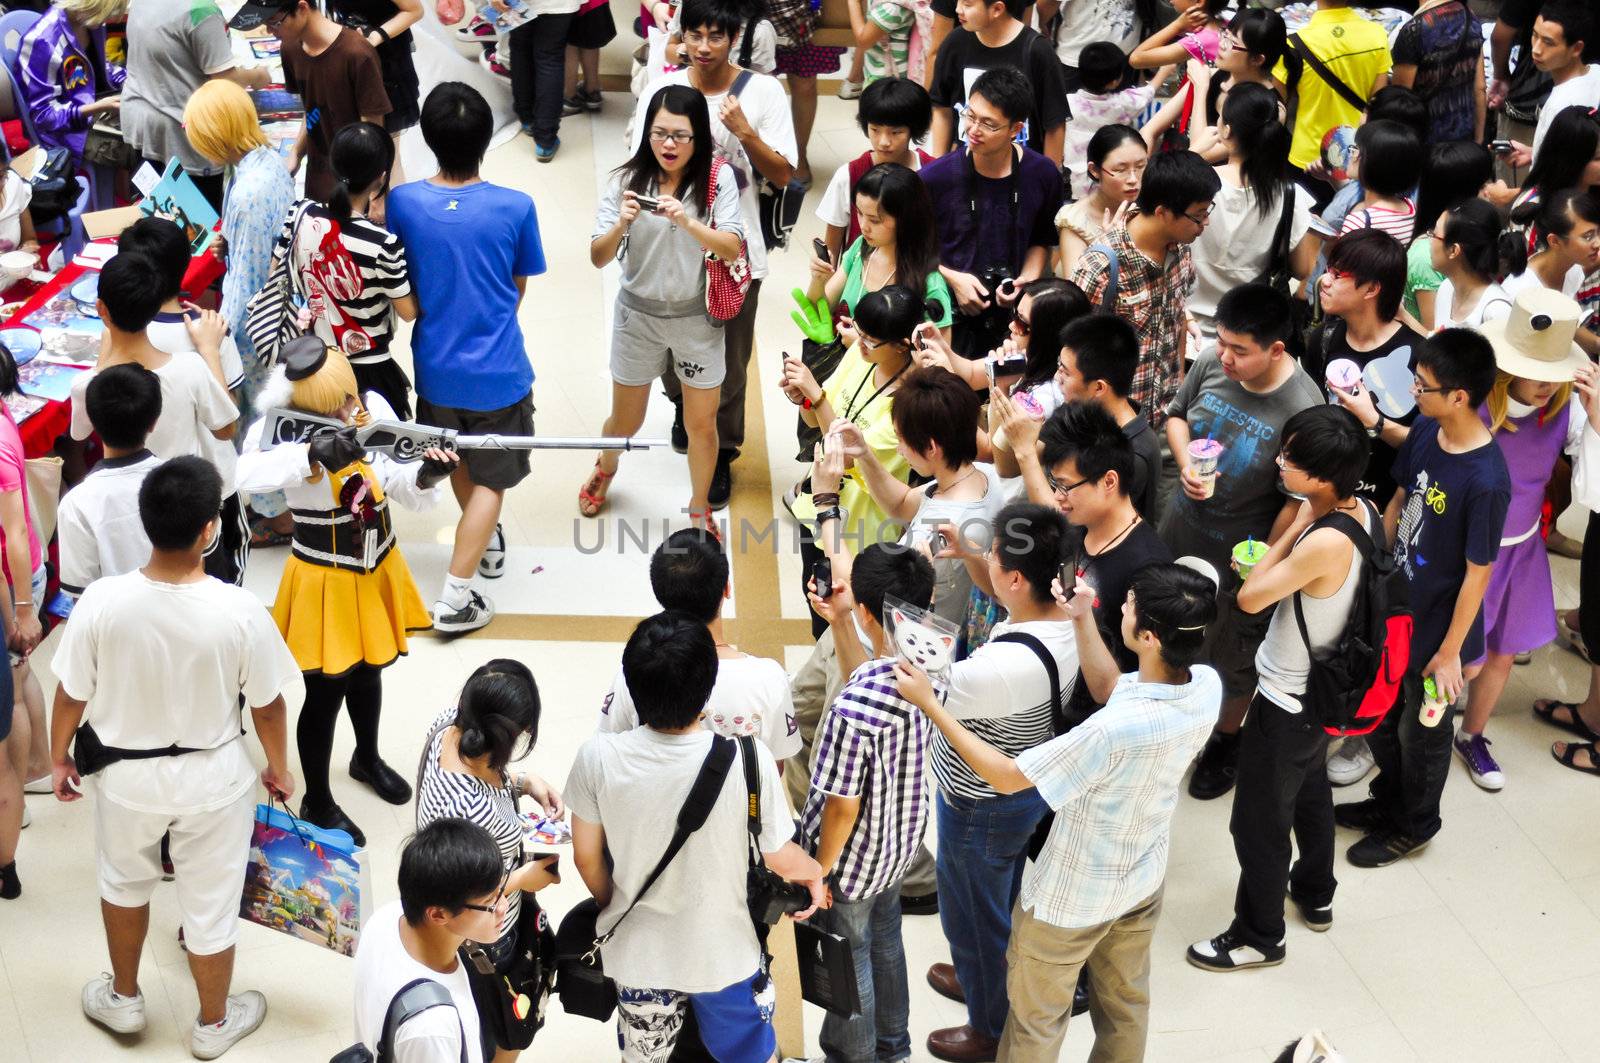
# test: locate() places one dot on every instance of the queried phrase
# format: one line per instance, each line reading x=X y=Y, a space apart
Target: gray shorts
x=643 y=345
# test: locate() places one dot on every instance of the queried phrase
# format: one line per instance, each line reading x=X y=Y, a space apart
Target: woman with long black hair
x=1455 y=172
x=1247 y=52
x=667 y=208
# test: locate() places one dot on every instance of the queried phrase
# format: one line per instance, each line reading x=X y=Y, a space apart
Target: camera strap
x=1014 y=194
x=752 y=788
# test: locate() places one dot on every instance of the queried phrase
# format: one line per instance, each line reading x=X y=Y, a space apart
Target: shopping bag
x=827 y=971
x=305 y=881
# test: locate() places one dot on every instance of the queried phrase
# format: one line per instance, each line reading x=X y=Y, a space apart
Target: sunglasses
x=1024 y=326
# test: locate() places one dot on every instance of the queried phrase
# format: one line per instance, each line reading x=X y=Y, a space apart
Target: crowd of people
x=1175 y=399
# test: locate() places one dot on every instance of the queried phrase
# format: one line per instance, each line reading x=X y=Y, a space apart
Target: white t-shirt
x=974 y=520
x=834 y=207
x=163 y=664
x=751 y=697
x=1237 y=246
x=1581 y=91
x=1085 y=21
x=1529 y=279
x=98 y=525
x=1493 y=305
x=168 y=333
x=692 y=931
x=766 y=108
x=15 y=195
x=383 y=968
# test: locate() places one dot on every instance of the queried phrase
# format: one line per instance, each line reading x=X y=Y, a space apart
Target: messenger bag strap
x=1349 y=95
x=1058 y=716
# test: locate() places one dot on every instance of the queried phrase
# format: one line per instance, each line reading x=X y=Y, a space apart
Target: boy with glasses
x=991 y=35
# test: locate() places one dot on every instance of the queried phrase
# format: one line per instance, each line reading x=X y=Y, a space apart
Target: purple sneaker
x=1481 y=765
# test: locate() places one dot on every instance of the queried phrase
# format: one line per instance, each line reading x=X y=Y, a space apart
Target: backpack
x=1108 y=298
x=414 y=998
x=1351 y=688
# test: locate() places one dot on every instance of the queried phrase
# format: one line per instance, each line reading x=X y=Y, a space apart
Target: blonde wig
x=1499 y=402
x=327 y=390
x=93 y=13
x=221 y=122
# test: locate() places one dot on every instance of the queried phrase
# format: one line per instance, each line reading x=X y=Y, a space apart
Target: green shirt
x=1420 y=274
x=891 y=56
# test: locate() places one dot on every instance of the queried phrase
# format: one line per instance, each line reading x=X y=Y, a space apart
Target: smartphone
x=822 y=576
x=919 y=335
x=1500 y=147
x=1069 y=578
x=551 y=862
x=941 y=543
x=822 y=251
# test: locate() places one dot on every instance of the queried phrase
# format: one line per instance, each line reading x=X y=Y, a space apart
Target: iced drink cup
x=1343 y=375
x=1247 y=555
x=1203 y=457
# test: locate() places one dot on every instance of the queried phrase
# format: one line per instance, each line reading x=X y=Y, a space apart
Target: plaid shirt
x=1151 y=298
x=1113 y=782
x=873 y=745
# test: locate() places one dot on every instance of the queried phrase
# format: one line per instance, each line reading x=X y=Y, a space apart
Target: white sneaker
x=470 y=617
x=492 y=565
x=851 y=90
x=44 y=784
x=117 y=1013
x=27 y=817
x=1350 y=764
x=245 y=1013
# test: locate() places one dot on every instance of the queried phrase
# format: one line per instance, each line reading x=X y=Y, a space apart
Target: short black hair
x=670 y=666
x=1177 y=180
x=729 y=16
x=896 y=102
x=1327 y=443
x=133 y=289
x=1577 y=21
x=1259 y=311
x=1391 y=158
x=8 y=371
x=1086 y=433
x=498 y=712
x=163 y=243
x=1007 y=89
x=1372 y=256
x=448 y=864
x=1460 y=359
x=1105 y=348
x=124 y=403
x=890 y=570
x=1176 y=605
x=1102 y=66
x=689 y=572
x=1396 y=103
x=177 y=500
x=1032 y=539
x=457 y=126
x=933 y=405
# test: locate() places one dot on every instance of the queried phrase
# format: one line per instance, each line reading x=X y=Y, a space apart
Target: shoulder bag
x=1332 y=80
x=270 y=318
x=1059 y=724
x=726 y=282
x=416 y=997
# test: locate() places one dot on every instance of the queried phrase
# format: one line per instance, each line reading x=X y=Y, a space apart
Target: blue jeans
x=879 y=1033
x=982 y=847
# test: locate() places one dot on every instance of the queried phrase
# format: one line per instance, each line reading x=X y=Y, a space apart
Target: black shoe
x=919 y=904
x=1225 y=952
x=680 y=435
x=721 y=481
x=1383 y=848
x=384 y=780
x=1217 y=767
x=1318 y=919
x=10 y=884
x=1080 y=993
x=332 y=817
x=1365 y=816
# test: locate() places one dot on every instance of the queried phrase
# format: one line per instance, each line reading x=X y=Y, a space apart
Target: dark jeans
x=538 y=74
x=1283 y=786
x=738 y=340
x=879 y=1033
x=982 y=848
x=1413 y=762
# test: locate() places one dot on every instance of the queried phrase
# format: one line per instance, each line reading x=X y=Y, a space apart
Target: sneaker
x=680 y=435
x=27 y=817
x=476 y=30
x=572 y=105
x=543 y=152
x=470 y=617
x=244 y=1014
x=10 y=884
x=1481 y=765
x=1382 y=848
x=44 y=784
x=1351 y=762
x=1218 y=765
x=1318 y=919
x=721 y=488
x=115 y=1012
x=1523 y=658
x=491 y=62
x=1227 y=953
x=851 y=90
x=1365 y=816
x=592 y=101
x=492 y=565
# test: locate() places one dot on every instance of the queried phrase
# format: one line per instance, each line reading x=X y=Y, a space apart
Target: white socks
x=457 y=592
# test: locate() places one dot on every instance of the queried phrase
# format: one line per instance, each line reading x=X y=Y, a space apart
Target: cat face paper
x=921 y=637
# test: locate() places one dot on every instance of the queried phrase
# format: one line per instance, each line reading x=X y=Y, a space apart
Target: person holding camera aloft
x=668 y=207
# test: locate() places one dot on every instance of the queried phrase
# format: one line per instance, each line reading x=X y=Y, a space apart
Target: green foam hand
x=814 y=319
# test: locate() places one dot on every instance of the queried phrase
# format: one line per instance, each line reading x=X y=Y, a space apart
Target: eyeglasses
x=716 y=40
x=1204 y=217
x=989 y=125
x=1064 y=489
x=665 y=136
x=1338 y=274
x=498 y=897
x=1419 y=388
x=868 y=344
x=277 y=20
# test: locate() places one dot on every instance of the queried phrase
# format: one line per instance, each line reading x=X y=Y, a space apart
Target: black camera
x=992 y=278
x=771 y=898
x=822 y=575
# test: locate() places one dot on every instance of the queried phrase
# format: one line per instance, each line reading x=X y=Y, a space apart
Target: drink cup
x=1343 y=375
x=1247 y=555
x=1203 y=457
x=1433 y=704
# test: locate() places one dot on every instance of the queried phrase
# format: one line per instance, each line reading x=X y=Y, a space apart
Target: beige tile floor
x=1484 y=947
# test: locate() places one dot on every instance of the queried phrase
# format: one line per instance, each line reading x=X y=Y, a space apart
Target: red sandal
x=707 y=519
x=592 y=495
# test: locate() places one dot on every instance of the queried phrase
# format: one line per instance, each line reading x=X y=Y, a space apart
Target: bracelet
x=831 y=513
x=805 y=403
x=825 y=500
x=19 y=605
x=380 y=31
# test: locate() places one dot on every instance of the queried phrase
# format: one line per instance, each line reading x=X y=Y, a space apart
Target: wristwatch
x=1377 y=428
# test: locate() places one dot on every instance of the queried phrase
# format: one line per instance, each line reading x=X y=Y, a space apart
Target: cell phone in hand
x=1011 y=363
x=822 y=576
x=822 y=251
x=1501 y=147
x=550 y=861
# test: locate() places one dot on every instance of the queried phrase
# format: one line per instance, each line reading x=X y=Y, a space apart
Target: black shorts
x=592 y=29
x=499 y=470
x=1232 y=642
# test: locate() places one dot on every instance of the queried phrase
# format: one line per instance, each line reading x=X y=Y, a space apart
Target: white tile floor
x=1484 y=947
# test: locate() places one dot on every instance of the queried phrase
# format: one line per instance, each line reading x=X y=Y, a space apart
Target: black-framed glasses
x=1419 y=388
x=1064 y=489
x=1204 y=217
x=499 y=895
x=680 y=136
x=277 y=20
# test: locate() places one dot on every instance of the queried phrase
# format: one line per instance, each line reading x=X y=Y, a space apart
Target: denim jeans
x=879 y=1032
x=538 y=73
x=982 y=847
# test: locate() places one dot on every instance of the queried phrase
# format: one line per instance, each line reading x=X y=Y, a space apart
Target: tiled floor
x=1484 y=947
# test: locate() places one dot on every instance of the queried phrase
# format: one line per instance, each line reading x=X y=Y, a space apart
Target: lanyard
x=850 y=409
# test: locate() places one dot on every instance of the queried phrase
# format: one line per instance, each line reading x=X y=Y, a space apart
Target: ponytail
x=360 y=156
x=339 y=202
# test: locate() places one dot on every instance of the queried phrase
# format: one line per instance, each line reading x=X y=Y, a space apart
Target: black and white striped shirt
x=348 y=273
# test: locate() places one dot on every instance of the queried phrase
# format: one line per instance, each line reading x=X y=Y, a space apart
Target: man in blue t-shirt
x=472 y=246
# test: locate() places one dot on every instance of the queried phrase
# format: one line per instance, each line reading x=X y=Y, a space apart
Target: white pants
x=208 y=850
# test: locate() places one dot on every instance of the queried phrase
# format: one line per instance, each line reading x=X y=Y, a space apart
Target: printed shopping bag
x=305 y=881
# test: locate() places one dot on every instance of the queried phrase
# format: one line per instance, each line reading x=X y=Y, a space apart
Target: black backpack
x=414 y=998
x=1353 y=686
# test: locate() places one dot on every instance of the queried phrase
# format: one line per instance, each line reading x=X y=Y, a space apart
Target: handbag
x=305 y=881
x=512 y=996
x=55 y=187
x=726 y=282
x=581 y=981
x=822 y=359
x=104 y=146
x=270 y=315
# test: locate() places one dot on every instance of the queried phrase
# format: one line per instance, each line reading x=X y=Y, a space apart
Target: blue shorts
x=735 y=1023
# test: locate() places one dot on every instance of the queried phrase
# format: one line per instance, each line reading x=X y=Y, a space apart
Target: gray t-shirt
x=1250 y=428
x=975 y=519
x=660 y=261
x=173 y=47
x=633 y=784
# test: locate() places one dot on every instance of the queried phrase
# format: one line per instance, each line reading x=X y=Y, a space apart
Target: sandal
x=592 y=495
x=264 y=536
x=707 y=519
x=1567 y=756
x=1575 y=725
x=1571 y=637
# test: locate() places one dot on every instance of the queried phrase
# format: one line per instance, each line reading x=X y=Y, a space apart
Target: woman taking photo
x=1116 y=158
x=1567 y=228
x=1247 y=52
x=1043 y=307
x=63 y=68
x=1568 y=158
x=665 y=210
x=465 y=773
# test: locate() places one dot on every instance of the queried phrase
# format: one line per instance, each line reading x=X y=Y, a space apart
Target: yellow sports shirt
x=1357 y=51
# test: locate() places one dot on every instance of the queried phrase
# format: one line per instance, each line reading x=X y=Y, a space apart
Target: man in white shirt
x=452 y=890
x=158 y=661
x=1559 y=36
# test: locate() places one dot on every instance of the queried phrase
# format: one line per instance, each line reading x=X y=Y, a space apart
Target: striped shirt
x=1397 y=223
x=348 y=273
x=872 y=745
x=1002 y=694
x=442 y=794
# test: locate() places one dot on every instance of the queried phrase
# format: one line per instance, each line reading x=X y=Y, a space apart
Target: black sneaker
x=1080 y=993
x=1217 y=767
x=680 y=435
x=1382 y=848
x=572 y=105
x=1227 y=953
x=1365 y=816
x=721 y=481
x=1318 y=919
x=919 y=904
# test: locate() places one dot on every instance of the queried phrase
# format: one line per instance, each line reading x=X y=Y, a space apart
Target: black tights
x=361 y=691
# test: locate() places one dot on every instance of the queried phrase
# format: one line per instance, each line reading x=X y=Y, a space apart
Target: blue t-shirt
x=1454 y=513
x=466 y=247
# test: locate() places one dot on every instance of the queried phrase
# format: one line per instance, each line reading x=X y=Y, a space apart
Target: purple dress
x=1519 y=609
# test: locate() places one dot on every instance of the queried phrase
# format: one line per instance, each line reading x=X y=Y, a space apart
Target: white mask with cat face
x=921 y=643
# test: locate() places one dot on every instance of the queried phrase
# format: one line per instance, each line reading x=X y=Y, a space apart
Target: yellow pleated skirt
x=333 y=619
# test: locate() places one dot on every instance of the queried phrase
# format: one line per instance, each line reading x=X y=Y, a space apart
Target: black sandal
x=1575 y=725
x=1566 y=758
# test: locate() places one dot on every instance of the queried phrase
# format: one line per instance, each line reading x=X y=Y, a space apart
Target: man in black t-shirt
x=991 y=34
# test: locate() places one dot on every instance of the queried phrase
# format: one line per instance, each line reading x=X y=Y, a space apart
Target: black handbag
x=55 y=188
x=511 y=995
x=822 y=359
